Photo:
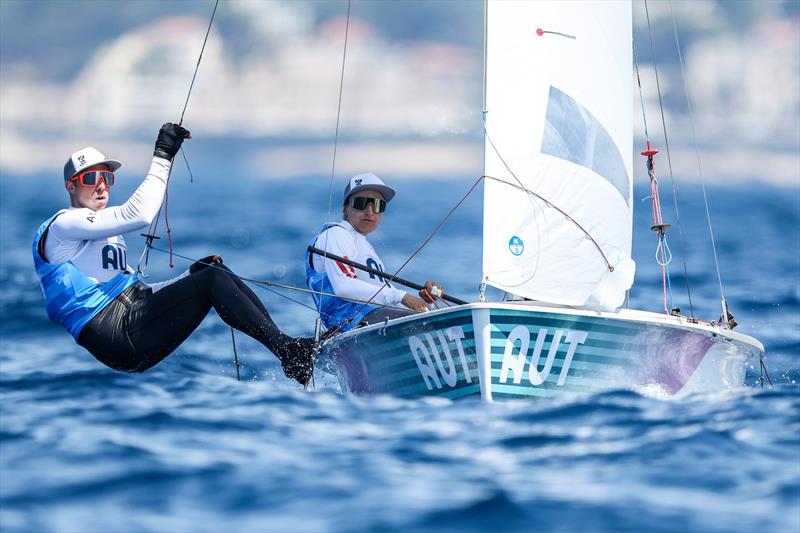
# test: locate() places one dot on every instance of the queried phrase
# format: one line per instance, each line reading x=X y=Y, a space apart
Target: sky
x=109 y=73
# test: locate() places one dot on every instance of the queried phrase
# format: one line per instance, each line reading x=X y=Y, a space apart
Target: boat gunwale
x=626 y=315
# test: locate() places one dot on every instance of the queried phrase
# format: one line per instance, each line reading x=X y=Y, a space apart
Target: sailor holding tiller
x=81 y=260
x=365 y=199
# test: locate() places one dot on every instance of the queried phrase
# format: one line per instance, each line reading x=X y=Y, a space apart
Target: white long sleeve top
x=348 y=282
x=92 y=240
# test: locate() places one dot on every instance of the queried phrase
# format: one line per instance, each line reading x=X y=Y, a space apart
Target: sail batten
x=559 y=125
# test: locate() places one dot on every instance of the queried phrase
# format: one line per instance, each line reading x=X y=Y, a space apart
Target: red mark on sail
x=540 y=32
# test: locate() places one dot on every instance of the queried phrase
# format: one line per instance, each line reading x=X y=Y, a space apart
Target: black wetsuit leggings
x=140 y=328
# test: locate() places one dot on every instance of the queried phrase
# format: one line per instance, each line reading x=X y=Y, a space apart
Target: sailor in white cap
x=81 y=260
x=366 y=197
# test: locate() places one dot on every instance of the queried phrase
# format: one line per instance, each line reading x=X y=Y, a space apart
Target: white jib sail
x=559 y=133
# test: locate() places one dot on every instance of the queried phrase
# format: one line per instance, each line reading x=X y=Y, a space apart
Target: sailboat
x=557 y=234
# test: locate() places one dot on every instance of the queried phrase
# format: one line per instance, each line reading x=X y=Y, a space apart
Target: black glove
x=170 y=137
x=199 y=265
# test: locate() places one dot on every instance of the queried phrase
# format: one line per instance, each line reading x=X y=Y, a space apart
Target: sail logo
x=519 y=341
x=516 y=246
x=438 y=355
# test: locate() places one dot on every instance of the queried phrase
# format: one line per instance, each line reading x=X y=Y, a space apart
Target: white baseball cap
x=365 y=181
x=85 y=158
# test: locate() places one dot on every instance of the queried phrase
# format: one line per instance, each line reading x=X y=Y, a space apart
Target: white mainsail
x=559 y=133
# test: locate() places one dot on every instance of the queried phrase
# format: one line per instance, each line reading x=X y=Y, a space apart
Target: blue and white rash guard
x=329 y=276
x=82 y=261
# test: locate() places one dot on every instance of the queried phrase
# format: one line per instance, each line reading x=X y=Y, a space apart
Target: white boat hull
x=518 y=350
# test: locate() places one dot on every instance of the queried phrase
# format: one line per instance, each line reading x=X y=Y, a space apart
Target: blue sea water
x=186 y=447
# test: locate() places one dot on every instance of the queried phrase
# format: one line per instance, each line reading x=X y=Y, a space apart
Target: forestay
x=559 y=125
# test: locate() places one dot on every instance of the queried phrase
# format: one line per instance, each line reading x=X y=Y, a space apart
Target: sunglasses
x=92 y=178
x=360 y=203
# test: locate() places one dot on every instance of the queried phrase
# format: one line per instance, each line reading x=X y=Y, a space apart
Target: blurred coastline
x=106 y=73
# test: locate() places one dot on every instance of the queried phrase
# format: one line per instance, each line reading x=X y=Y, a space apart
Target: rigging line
x=191 y=176
x=150 y=235
x=266 y=286
x=764 y=371
x=180 y=123
x=681 y=239
x=154 y=224
x=664 y=276
x=547 y=202
x=338 y=112
x=339 y=109
x=667 y=255
x=543 y=199
x=166 y=221
x=697 y=152
x=487 y=137
x=666 y=144
x=330 y=198
x=641 y=93
x=438 y=226
x=235 y=355
x=197 y=67
x=336 y=133
x=266 y=283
